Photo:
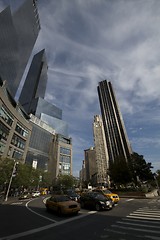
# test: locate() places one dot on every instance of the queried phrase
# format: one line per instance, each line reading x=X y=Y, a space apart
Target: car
x=36 y=194
x=62 y=204
x=73 y=195
x=25 y=195
x=115 y=198
x=95 y=200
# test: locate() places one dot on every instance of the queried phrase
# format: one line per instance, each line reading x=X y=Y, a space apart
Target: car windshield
x=99 y=196
x=107 y=191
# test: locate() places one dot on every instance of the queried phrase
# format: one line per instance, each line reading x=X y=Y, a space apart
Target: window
x=17 y=155
x=6 y=116
x=4 y=131
x=18 y=142
x=21 y=130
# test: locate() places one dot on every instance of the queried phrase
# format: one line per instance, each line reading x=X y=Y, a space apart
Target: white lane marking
x=16 y=203
x=131 y=199
x=135 y=229
x=50 y=219
x=22 y=234
x=148 y=218
x=137 y=224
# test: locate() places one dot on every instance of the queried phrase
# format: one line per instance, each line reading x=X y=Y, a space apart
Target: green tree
x=119 y=171
x=65 y=181
x=141 y=170
x=26 y=177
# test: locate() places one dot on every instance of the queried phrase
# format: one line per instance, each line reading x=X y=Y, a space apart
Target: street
x=130 y=219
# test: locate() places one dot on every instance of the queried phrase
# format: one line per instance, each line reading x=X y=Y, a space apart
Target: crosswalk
x=144 y=223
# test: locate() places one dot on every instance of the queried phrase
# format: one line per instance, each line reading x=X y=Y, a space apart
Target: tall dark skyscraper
x=115 y=133
x=18 y=34
x=33 y=94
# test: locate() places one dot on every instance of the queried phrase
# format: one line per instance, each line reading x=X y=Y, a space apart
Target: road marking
x=137 y=224
x=16 y=203
x=26 y=233
x=131 y=199
x=135 y=229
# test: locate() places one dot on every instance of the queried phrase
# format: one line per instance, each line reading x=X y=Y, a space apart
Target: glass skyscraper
x=33 y=93
x=18 y=34
x=115 y=133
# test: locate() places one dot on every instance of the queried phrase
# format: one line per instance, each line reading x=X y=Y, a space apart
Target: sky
x=88 y=41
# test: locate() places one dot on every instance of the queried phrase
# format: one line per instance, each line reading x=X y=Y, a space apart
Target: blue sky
x=87 y=41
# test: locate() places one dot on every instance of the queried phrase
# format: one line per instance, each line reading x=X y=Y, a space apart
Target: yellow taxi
x=62 y=204
x=115 y=198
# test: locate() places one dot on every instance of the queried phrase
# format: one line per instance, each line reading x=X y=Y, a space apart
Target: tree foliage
x=119 y=171
x=24 y=177
x=141 y=170
x=66 y=181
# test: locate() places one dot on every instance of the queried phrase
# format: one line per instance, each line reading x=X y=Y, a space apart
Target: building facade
x=18 y=34
x=61 y=163
x=115 y=133
x=15 y=128
x=90 y=165
x=101 y=154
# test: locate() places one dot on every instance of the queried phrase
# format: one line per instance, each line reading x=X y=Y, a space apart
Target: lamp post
x=10 y=181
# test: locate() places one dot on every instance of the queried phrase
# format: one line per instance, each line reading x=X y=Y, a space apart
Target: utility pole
x=10 y=181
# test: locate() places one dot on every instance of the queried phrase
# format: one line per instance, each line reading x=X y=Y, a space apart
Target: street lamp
x=10 y=181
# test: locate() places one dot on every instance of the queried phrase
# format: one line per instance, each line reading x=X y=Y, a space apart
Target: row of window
x=18 y=142
x=16 y=154
x=8 y=118
x=64 y=168
x=65 y=151
x=65 y=159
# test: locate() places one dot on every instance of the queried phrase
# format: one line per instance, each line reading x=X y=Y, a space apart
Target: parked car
x=115 y=198
x=36 y=194
x=25 y=195
x=95 y=200
x=62 y=204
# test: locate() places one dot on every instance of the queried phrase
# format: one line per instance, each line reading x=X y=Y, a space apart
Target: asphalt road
x=130 y=219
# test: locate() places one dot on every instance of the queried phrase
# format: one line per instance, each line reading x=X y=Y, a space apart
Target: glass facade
x=35 y=83
x=39 y=147
x=60 y=126
x=18 y=33
x=33 y=93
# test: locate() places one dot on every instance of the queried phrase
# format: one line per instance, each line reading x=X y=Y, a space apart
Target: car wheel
x=98 y=207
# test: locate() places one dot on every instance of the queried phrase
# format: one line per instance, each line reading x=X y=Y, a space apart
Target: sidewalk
x=9 y=200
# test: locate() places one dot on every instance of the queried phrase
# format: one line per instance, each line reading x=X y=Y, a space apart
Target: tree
x=119 y=171
x=65 y=182
x=141 y=170
x=26 y=176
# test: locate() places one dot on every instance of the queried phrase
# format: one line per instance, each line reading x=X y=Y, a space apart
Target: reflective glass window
x=21 y=130
x=6 y=115
x=4 y=131
x=18 y=142
x=17 y=154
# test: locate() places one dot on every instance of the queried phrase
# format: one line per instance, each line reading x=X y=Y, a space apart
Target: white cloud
x=89 y=41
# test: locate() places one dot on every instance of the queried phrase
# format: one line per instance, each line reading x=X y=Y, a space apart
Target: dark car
x=73 y=195
x=95 y=200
